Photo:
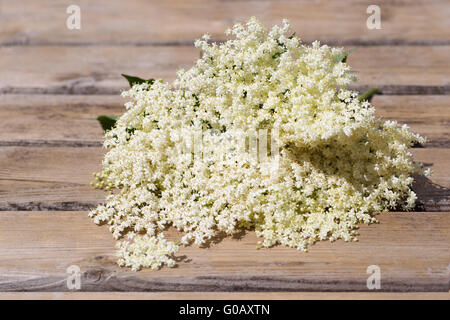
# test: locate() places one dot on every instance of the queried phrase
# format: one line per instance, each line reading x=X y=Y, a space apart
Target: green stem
x=368 y=94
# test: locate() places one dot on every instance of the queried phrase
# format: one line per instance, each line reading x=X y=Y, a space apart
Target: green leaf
x=107 y=122
x=343 y=57
x=136 y=80
x=368 y=94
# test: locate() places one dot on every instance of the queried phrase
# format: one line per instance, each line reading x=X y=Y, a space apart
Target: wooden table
x=54 y=80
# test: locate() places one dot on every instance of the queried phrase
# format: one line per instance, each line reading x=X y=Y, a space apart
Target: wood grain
x=56 y=119
x=60 y=120
x=97 y=69
x=57 y=178
x=426 y=115
x=141 y=22
x=410 y=248
x=55 y=80
x=224 y=295
x=49 y=178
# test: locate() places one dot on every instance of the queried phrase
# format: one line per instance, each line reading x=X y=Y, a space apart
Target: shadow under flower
x=218 y=237
x=430 y=196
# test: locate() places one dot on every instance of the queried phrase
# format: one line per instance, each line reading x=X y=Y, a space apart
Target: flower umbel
x=337 y=161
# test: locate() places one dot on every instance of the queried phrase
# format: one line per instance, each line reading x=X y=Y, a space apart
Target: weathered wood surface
x=61 y=120
x=54 y=80
x=177 y=21
x=410 y=248
x=57 y=178
x=49 y=178
x=97 y=69
x=224 y=295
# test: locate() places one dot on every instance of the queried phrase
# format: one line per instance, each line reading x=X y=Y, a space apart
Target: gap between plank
x=91 y=144
x=93 y=90
x=350 y=42
x=48 y=206
x=50 y=143
x=87 y=206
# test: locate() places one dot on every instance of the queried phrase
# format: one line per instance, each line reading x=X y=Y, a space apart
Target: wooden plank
x=84 y=70
x=426 y=115
x=49 y=178
x=411 y=249
x=224 y=295
x=56 y=119
x=97 y=69
x=433 y=193
x=176 y=21
x=57 y=178
x=60 y=120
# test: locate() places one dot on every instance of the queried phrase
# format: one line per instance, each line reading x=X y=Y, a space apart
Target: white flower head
x=179 y=155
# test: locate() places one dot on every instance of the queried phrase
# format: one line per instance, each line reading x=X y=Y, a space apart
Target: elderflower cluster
x=331 y=164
